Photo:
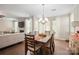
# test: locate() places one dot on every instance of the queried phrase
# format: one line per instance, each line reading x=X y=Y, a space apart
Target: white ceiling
x=25 y=10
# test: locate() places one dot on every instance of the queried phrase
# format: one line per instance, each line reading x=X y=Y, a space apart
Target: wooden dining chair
x=53 y=43
x=50 y=45
x=30 y=44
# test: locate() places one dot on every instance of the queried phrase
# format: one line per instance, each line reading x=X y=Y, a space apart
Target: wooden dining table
x=42 y=39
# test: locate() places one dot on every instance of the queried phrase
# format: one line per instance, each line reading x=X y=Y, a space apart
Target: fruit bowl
x=42 y=35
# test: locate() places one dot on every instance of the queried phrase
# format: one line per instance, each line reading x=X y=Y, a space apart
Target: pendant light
x=43 y=20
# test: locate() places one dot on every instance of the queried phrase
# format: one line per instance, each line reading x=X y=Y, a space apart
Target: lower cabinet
x=10 y=39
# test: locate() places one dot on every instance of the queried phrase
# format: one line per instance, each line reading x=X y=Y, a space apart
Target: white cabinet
x=9 y=39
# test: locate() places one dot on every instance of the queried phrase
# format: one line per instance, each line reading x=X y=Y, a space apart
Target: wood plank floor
x=61 y=48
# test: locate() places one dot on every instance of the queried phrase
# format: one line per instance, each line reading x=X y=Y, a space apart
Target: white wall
x=71 y=20
x=28 y=25
x=56 y=26
x=76 y=13
x=63 y=24
x=48 y=25
x=74 y=16
x=36 y=25
x=2 y=26
x=5 y=24
x=41 y=28
x=16 y=28
x=61 y=27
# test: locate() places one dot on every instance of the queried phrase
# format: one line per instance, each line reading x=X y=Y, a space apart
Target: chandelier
x=43 y=20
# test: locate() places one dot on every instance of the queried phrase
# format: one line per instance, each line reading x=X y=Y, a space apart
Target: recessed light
x=53 y=9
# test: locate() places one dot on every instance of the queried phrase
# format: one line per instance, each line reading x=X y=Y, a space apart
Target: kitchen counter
x=10 y=39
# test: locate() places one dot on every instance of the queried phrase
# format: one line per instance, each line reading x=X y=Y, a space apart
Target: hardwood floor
x=61 y=48
x=17 y=49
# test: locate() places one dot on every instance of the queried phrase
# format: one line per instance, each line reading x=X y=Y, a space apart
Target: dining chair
x=53 y=43
x=50 y=45
x=31 y=44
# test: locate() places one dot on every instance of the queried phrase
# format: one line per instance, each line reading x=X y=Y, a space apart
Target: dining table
x=42 y=39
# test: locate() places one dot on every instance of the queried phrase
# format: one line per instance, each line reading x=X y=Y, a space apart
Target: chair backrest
x=29 y=41
x=33 y=33
x=52 y=36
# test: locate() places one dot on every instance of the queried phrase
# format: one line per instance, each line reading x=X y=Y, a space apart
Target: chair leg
x=41 y=52
x=35 y=53
x=25 y=52
x=50 y=47
x=53 y=48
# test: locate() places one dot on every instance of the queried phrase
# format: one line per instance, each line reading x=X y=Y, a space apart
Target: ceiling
x=26 y=10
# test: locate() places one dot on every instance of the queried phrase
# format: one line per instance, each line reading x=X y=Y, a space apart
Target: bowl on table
x=42 y=35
